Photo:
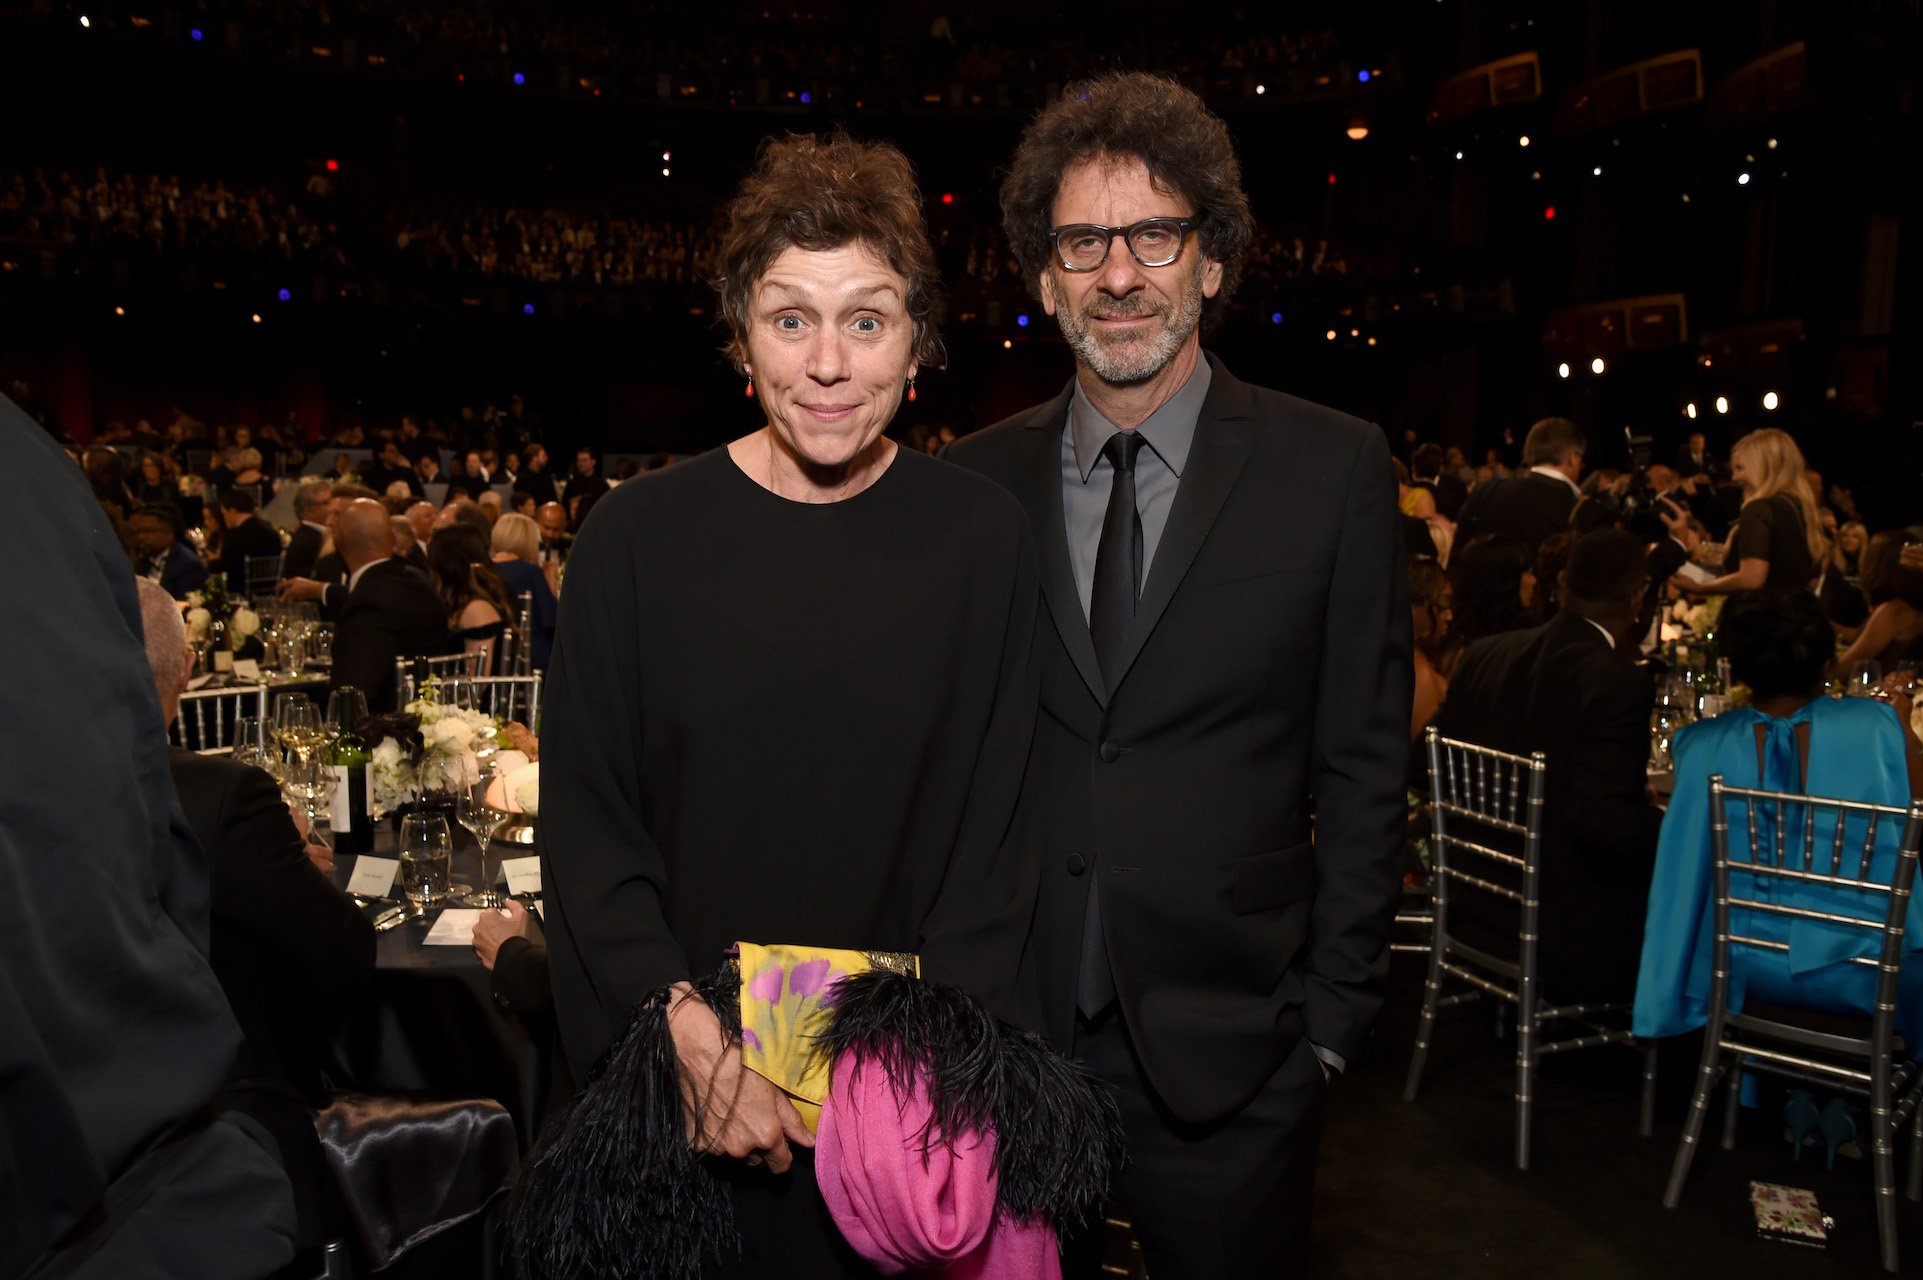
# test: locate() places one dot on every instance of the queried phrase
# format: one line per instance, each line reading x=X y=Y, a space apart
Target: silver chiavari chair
x=263 y=575
x=1486 y=825
x=206 y=720
x=410 y=673
x=1841 y=865
x=523 y=657
x=509 y=698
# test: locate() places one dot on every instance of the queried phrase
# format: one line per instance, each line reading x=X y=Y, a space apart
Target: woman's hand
x=729 y=1109
x=495 y=927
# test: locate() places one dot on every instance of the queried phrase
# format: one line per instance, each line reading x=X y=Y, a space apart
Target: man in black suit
x=386 y=609
x=536 y=478
x=584 y=488
x=114 y=1034
x=1565 y=689
x=314 y=507
x=1448 y=490
x=1531 y=505
x=164 y=558
x=1216 y=780
x=248 y=536
x=281 y=933
x=1693 y=458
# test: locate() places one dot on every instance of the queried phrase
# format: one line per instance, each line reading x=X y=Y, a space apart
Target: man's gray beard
x=1142 y=361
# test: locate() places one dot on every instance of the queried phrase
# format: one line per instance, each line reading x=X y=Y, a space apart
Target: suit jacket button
x=1110 y=752
x=1077 y=864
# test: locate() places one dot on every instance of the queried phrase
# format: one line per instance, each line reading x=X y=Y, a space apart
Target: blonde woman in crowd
x=1778 y=540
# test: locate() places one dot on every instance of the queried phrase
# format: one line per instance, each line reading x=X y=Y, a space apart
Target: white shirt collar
x=1557 y=473
x=1604 y=631
x=353 y=579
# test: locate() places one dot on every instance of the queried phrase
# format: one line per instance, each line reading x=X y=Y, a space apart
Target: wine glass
x=481 y=807
x=346 y=712
x=310 y=784
x=1864 y=679
x=425 y=850
x=297 y=724
x=250 y=743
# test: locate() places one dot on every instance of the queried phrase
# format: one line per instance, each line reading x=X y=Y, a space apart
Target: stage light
x=1021 y=321
x=1562 y=370
x=1372 y=342
x=1596 y=366
x=197 y=35
x=1261 y=89
x=333 y=166
x=120 y=311
x=1355 y=333
x=1770 y=400
x=86 y=23
x=1685 y=197
x=1332 y=179
x=256 y=317
x=285 y=295
x=948 y=197
x=1458 y=155
x=1357 y=132
x=1008 y=344
x=1330 y=335
x=1690 y=410
x=1275 y=317
x=1362 y=77
x=1722 y=404
x=527 y=308
x=664 y=172
x=666 y=156
x=1772 y=144
x=1742 y=179
x=806 y=98
x=1549 y=213
x=519 y=78
x=1597 y=171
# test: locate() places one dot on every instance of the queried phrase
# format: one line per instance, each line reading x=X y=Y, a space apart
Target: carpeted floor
x=1429 y=1189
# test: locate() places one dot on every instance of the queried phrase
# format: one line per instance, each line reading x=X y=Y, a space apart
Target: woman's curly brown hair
x=1185 y=147
x=815 y=193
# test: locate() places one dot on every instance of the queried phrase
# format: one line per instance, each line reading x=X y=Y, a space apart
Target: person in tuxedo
x=164 y=558
x=282 y=933
x=114 y=1034
x=1531 y=505
x=314 y=508
x=1215 y=790
x=536 y=478
x=247 y=535
x=385 y=610
x=584 y=487
x=1426 y=472
x=1565 y=689
x=1694 y=459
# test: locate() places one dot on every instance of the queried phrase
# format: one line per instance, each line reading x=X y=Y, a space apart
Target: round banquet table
x=428 y=1022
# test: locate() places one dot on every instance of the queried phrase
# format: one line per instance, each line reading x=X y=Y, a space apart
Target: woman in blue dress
x=1790 y=738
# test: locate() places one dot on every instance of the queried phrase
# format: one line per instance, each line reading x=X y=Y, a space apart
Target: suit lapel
x=1223 y=440
x=1044 y=499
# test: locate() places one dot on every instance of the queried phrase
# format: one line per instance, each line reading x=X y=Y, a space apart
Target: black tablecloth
x=428 y=1022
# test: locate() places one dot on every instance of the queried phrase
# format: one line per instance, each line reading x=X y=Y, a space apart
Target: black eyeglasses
x=1153 y=242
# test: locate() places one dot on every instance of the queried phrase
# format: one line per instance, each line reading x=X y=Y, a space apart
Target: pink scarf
x=904 y=1209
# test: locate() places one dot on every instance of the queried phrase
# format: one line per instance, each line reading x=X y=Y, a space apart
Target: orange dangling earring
x=911 y=391
x=750 y=392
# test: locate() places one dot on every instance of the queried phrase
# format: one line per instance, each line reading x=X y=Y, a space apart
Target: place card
x=539 y=914
x=198 y=681
x=523 y=875
x=246 y=669
x=454 y=928
x=373 y=877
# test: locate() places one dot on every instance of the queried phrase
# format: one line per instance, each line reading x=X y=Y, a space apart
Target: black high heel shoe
x=1838 y=1126
x=1800 y=1119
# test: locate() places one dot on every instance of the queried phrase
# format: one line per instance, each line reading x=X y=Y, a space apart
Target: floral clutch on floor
x=1789 y=1214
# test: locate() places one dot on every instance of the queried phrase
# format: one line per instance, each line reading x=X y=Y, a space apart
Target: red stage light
x=947 y=197
x=333 y=166
x=1332 y=179
x=1549 y=214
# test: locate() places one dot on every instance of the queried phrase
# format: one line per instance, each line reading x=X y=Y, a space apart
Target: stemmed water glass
x=309 y=783
x=481 y=807
x=250 y=743
x=425 y=850
x=346 y=712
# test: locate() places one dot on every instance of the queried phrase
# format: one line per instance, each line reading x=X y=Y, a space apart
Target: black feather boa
x=614 y=1190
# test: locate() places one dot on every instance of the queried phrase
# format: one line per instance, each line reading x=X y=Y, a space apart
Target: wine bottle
x=350 y=759
x=218 y=649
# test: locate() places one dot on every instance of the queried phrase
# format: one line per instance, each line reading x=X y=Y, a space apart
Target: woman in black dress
x=793 y=686
x=1778 y=540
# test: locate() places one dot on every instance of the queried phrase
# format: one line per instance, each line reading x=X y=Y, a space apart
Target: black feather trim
x=613 y=1189
x=1058 y=1134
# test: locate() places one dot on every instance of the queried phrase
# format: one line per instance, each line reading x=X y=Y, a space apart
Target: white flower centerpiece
x=428 y=750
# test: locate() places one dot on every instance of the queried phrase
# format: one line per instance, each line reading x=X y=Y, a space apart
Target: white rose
x=524 y=788
x=245 y=622
x=198 y=620
x=508 y=760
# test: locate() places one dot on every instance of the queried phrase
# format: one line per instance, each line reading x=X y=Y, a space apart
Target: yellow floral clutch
x=785 y=1002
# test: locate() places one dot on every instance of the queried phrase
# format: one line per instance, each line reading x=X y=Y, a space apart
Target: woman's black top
x=1771 y=529
x=771 y=721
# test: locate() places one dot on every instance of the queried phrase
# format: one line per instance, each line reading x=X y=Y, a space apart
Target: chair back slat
x=524 y=648
x=263 y=575
x=205 y=722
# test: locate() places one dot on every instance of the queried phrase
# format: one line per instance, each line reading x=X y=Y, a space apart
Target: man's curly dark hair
x=1131 y=115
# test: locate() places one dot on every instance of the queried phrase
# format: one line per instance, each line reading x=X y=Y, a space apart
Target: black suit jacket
x=251 y=537
x=1241 y=788
x=281 y=934
x=303 y=549
x=392 y=612
x=1562 y=690
x=1527 y=507
x=1449 y=493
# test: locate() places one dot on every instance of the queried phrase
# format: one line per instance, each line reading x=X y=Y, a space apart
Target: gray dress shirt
x=1087 y=476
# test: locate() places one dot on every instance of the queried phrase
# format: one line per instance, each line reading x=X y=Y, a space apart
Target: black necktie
x=1111 y=612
